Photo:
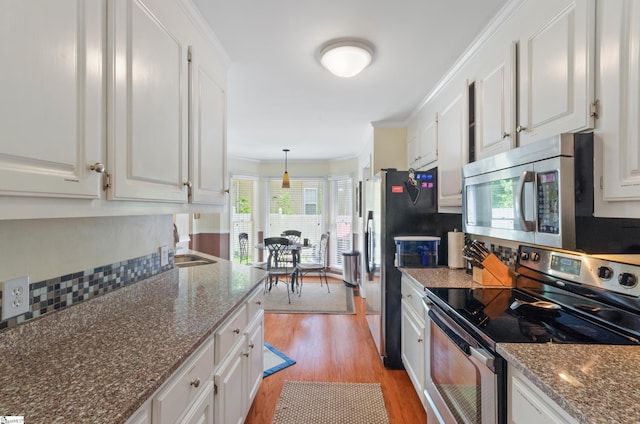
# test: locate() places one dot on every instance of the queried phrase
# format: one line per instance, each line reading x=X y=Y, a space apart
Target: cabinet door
x=619 y=93
x=255 y=342
x=413 y=347
x=556 y=69
x=207 y=138
x=202 y=410
x=51 y=101
x=413 y=154
x=231 y=388
x=147 y=141
x=428 y=142
x=495 y=104
x=452 y=136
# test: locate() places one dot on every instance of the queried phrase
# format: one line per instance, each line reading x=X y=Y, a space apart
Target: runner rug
x=314 y=299
x=274 y=360
x=330 y=403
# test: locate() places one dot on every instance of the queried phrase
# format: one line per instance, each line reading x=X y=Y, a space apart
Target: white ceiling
x=279 y=96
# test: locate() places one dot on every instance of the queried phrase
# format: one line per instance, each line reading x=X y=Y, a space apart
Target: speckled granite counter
x=99 y=361
x=441 y=277
x=593 y=383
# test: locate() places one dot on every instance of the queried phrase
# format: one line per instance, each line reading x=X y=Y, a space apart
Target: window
x=242 y=201
x=341 y=239
x=297 y=208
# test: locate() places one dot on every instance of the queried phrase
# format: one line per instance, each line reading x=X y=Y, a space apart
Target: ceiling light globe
x=346 y=60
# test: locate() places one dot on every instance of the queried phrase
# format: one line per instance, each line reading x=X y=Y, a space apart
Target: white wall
x=48 y=248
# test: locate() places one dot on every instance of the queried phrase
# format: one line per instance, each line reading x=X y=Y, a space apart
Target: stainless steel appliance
x=560 y=297
x=398 y=203
x=532 y=193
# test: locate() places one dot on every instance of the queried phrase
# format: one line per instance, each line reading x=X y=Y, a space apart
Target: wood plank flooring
x=335 y=348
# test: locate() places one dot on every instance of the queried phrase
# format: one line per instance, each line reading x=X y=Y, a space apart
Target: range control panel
x=621 y=275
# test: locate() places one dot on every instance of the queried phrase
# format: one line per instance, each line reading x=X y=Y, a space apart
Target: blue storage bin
x=417 y=251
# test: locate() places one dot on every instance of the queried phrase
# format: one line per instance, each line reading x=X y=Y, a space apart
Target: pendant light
x=285 y=177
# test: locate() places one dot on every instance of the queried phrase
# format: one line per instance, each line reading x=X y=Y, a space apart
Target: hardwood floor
x=336 y=348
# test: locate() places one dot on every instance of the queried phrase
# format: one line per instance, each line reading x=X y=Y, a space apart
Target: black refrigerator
x=397 y=203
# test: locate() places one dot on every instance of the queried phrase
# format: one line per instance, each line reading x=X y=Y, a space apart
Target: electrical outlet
x=164 y=256
x=15 y=297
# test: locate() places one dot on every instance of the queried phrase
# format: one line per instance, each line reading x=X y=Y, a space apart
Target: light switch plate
x=164 y=256
x=15 y=297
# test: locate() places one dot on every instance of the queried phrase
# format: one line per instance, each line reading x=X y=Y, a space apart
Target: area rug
x=330 y=403
x=314 y=299
x=274 y=360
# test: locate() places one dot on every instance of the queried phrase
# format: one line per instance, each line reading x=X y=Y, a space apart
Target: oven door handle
x=484 y=357
x=462 y=344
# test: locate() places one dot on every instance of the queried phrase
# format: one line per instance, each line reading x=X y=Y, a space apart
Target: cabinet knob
x=188 y=184
x=520 y=128
x=245 y=354
x=505 y=135
x=251 y=345
x=420 y=339
x=237 y=331
x=195 y=383
x=409 y=295
x=98 y=167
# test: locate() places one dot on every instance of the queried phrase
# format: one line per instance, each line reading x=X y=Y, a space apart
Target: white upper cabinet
x=495 y=102
x=207 y=138
x=556 y=69
x=619 y=94
x=452 y=137
x=428 y=141
x=148 y=133
x=51 y=85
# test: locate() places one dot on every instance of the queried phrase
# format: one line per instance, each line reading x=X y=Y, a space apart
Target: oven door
x=464 y=380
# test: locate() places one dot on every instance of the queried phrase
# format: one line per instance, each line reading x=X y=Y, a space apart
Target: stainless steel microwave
x=529 y=194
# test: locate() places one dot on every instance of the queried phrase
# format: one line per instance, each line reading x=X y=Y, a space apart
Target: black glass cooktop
x=487 y=311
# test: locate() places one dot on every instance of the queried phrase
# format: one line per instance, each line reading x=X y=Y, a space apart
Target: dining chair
x=277 y=267
x=243 y=240
x=319 y=267
x=294 y=237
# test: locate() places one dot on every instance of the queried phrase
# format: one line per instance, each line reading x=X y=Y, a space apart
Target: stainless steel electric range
x=559 y=297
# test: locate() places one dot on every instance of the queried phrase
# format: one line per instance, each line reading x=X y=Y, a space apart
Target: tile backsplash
x=62 y=292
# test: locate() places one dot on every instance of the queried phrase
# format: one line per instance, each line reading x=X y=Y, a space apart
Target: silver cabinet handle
x=97 y=167
x=195 y=383
x=259 y=302
x=420 y=339
x=187 y=183
x=520 y=129
x=251 y=345
x=237 y=331
x=245 y=354
x=505 y=135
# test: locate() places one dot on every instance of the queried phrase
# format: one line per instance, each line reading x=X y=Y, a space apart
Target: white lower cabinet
x=413 y=335
x=202 y=410
x=179 y=393
x=239 y=369
x=527 y=404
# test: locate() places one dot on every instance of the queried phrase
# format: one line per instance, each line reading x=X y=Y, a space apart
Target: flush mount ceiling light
x=346 y=58
x=285 y=177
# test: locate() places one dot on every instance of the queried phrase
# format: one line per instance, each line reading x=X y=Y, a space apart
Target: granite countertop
x=441 y=277
x=592 y=383
x=99 y=361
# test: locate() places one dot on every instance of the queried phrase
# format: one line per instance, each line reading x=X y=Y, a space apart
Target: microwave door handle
x=526 y=177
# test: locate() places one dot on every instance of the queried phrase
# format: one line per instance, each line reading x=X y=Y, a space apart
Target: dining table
x=295 y=250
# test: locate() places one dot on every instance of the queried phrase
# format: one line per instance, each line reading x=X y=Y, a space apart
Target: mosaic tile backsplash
x=62 y=292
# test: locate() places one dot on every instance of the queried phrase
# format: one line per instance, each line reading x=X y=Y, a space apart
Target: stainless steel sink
x=184 y=260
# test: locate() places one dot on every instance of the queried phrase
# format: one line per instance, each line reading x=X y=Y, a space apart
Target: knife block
x=495 y=273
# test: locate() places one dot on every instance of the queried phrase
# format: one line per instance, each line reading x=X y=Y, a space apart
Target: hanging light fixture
x=346 y=58
x=285 y=177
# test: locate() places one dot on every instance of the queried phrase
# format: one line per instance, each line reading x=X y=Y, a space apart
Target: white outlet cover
x=15 y=297
x=164 y=255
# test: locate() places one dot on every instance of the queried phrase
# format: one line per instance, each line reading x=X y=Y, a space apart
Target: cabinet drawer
x=255 y=303
x=413 y=295
x=231 y=331
x=184 y=386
